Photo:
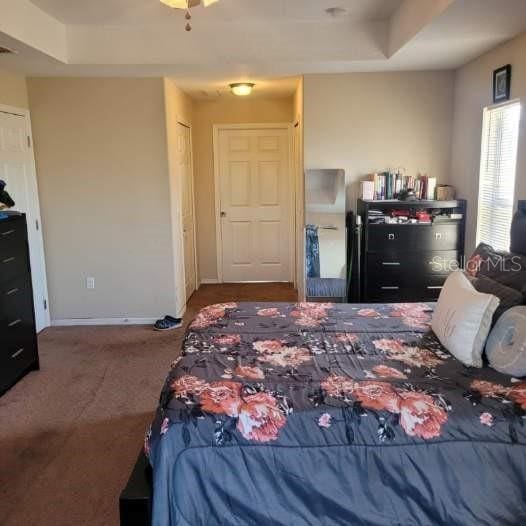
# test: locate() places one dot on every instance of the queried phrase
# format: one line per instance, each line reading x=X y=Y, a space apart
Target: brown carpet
x=70 y=433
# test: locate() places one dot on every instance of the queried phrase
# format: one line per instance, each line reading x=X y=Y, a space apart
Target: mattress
x=333 y=414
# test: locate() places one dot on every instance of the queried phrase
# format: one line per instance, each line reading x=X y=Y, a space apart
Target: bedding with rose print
x=267 y=395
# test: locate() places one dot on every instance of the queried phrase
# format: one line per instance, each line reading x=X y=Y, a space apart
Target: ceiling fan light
x=242 y=89
x=185 y=4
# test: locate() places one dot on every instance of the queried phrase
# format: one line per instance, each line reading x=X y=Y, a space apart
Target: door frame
x=217 y=128
x=35 y=204
x=192 y=197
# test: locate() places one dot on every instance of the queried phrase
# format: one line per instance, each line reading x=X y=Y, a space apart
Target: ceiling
x=266 y=41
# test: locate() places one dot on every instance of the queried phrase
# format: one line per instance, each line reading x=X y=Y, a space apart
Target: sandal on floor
x=168 y=323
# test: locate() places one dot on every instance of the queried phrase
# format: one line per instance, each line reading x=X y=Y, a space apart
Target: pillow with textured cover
x=462 y=319
x=506 y=345
x=504 y=267
x=508 y=297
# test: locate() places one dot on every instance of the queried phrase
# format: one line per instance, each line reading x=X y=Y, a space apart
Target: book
x=367 y=190
x=431 y=187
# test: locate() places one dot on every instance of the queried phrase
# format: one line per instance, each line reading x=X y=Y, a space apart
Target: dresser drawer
x=431 y=287
x=13 y=251
x=16 y=307
x=391 y=239
x=415 y=263
x=12 y=230
x=388 y=286
x=443 y=237
x=15 y=362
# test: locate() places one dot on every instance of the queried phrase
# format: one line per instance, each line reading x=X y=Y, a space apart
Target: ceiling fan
x=187 y=4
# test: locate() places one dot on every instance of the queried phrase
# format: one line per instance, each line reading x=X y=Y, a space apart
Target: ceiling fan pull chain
x=188 y=16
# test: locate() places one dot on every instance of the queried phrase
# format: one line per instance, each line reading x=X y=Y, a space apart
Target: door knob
x=223 y=214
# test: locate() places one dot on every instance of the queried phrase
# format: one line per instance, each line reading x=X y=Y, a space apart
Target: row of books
x=387 y=185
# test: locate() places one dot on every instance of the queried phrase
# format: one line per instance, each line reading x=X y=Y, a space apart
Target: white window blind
x=500 y=135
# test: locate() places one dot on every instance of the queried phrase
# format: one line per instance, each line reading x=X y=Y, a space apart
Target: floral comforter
x=333 y=414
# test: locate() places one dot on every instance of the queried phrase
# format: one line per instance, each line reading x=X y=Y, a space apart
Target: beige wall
x=13 y=90
x=227 y=110
x=366 y=122
x=101 y=154
x=473 y=91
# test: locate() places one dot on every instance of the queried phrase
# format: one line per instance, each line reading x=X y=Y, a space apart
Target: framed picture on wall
x=502 y=84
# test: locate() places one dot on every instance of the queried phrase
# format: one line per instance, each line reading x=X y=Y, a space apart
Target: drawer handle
x=390 y=236
x=438 y=235
x=434 y=287
x=390 y=288
x=17 y=353
x=11 y=292
x=8 y=232
x=9 y=260
x=13 y=323
x=391 y=263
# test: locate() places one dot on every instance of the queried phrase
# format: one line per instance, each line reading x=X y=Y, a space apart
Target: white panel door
x=255 y=204
x=187 y=207
x=17 y=170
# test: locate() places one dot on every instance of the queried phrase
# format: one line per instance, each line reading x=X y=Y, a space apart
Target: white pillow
x=506 y=345
x=462 y=319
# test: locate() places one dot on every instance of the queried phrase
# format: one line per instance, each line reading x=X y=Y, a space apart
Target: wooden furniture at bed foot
x=18 y=341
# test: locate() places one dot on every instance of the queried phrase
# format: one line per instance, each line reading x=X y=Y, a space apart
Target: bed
x=333 y=414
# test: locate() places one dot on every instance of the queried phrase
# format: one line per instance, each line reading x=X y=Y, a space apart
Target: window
x=500 y=136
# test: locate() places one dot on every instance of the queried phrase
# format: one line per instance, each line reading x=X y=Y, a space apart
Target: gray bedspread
x=333 y=414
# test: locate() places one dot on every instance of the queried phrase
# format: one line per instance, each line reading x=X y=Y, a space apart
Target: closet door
x=17 y=169
x=187 y=207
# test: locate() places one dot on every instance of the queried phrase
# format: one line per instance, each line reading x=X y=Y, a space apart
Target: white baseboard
x=206 y=281
x=69 y=322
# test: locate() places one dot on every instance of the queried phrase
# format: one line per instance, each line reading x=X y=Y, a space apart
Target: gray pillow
x=508 y=297
x=506 y=345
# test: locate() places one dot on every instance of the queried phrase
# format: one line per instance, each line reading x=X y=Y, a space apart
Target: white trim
x=503 y=103
x=207 y=281
x=217 y=193
x=22 y=112
x=70 y=322
x=194 y=217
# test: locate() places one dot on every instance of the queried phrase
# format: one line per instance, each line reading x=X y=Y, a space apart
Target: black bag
x=5 y=198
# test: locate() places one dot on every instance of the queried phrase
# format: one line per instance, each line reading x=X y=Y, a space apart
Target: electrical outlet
x=90 y=283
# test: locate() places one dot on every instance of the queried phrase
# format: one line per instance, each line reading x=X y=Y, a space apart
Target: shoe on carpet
x=168 y=323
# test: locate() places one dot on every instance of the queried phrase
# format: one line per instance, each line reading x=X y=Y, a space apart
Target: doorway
x=254 y=194
x=17 y=169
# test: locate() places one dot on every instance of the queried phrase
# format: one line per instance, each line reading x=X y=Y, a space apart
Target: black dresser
x=18 y=341
x=408 y=262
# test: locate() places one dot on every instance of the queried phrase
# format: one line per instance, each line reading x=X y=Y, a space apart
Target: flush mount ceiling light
x=336 y=12
x=242 y=89
x=187 y=4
